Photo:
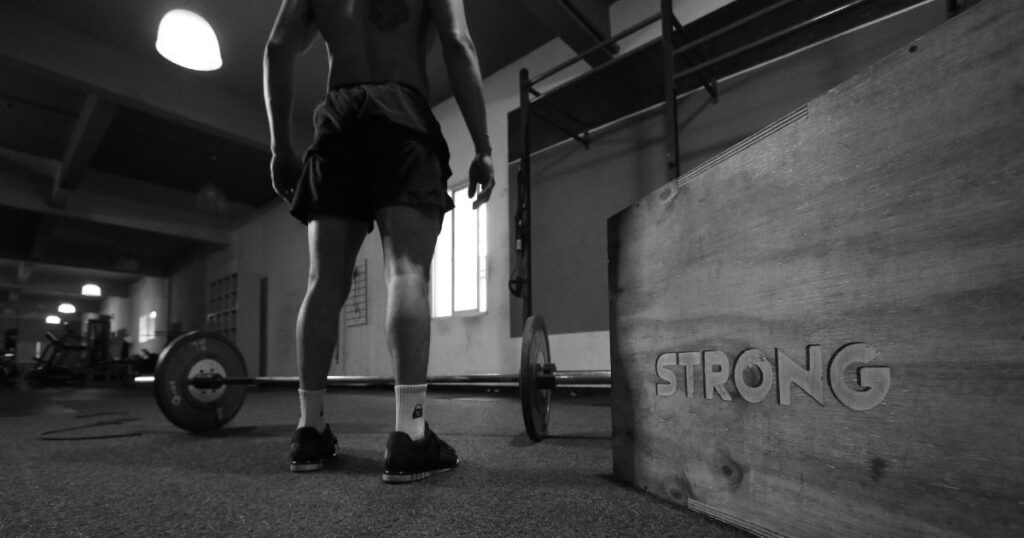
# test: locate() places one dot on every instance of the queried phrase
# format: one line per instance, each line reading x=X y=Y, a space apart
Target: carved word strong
x=753 y=375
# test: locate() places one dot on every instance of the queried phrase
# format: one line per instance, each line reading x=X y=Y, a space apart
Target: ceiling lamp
x=188 y=40
x=53 y=320
x=91 y=290
x=66 y=308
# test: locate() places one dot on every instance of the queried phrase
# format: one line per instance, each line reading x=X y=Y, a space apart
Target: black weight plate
x=536 y=401
x=177 y=402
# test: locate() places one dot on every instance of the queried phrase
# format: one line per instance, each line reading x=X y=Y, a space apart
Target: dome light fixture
x=185 y=38
x=66 y=308
x=53 y=320
x=92 y=290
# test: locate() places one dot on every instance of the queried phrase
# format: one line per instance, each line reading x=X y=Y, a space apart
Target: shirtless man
x=378 y=156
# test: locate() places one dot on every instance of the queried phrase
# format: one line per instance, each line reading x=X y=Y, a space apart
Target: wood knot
x=877 y=469
x=731 y=470
x=679 y=489
x=668 y=193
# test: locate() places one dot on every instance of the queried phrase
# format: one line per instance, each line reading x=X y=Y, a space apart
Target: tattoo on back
x=388 y=15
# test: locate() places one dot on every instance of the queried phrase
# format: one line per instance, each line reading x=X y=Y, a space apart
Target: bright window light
x=147 y=327
x=91 y=290
x=459 y=269
x=53 y=320
x=188 y=40
x=66 y=308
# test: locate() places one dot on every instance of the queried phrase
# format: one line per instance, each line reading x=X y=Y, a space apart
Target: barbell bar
x=200 y=380
x=545 y=380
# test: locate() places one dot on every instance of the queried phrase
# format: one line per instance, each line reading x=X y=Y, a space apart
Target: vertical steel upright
x=671 y=112
x=524 y=196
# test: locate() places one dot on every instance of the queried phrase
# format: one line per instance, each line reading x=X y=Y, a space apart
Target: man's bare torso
x=374 y=40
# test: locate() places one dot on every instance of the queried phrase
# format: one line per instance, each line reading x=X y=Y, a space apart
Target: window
x=147 y=327
x=459 y=270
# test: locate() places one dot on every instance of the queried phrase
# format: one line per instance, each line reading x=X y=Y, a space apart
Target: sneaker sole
x=306 y=467
x=406 y=478
x=313 y=465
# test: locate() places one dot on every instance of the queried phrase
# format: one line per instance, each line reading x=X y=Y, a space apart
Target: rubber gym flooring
x=105 y=462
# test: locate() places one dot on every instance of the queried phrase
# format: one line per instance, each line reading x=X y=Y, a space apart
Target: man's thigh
x=334 y=243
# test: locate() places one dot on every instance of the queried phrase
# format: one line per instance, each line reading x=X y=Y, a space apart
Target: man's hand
x=285 y=168
x=481 y=174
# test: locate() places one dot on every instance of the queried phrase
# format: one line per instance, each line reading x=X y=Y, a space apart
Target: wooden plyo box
x=822 y=333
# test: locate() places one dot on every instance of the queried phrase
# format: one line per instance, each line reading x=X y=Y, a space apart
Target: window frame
x=147 y=327
x=481 y=268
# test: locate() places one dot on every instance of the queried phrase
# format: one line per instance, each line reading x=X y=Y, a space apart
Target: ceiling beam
x=128 y=78
x=48 y=292
x=51 y=278
x=38 y=307
x=23 y=189
x=90 y=128
x=24 y=272
x=580 y=23
x=91 y=258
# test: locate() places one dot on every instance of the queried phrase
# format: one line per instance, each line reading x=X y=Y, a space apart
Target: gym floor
x=105 y=462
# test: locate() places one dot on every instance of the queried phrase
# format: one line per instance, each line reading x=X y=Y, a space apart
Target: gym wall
x=272 y=246
x=120 y=311
x=575 y=190
x=149 y=294
x=188 y=308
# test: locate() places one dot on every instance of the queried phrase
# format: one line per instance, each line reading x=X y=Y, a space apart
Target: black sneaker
x=310 y=448
x=408 y=461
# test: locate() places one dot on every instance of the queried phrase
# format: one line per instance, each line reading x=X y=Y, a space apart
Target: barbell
x=200 y=380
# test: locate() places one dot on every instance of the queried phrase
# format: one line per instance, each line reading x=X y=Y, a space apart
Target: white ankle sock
x=409 y=403
x=311 y=409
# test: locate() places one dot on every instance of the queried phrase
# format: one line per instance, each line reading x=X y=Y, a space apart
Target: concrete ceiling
x=116 y=164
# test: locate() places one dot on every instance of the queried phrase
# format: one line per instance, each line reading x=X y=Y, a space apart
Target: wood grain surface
x=883 y=223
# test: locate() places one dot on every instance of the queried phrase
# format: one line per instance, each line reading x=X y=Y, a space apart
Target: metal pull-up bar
x=520 y=284
x=576 y=59
x=753 y=45
x=521 y=281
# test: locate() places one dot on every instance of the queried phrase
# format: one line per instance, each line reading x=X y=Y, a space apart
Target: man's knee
x=410 y=270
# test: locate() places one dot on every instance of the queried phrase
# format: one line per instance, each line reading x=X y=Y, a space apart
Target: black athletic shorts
x=375 y=145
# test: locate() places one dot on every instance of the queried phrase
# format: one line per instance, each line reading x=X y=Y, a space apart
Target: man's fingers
x=480 y=200
x=485 y=195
